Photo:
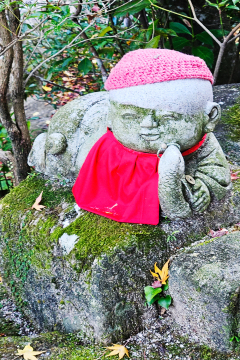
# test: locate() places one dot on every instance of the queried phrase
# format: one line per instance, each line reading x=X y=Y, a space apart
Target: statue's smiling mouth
x=150 y=137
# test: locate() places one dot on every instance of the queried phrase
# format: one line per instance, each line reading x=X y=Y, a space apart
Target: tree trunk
x=22 y=144
x=11 y=79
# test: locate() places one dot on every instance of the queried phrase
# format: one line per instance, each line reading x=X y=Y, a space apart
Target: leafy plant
x=171 y=237
x=235 y=338
x=152 y=293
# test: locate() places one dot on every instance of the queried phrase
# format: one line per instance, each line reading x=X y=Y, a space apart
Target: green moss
x=61 y=347
x=232 y=117
x=28 y=241
x=99 y=235
x=25 y=232
x=205 y=242
x=24 y=195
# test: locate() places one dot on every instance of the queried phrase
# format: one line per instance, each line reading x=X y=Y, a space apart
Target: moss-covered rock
x=94 y=285
x=204 y=283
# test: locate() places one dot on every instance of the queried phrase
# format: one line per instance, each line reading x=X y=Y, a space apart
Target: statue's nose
x=149 y=122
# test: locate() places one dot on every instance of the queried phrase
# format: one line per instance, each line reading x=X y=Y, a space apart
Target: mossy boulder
x=205 y=287
x=70 y=270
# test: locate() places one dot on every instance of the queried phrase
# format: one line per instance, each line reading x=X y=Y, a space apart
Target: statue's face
x=148 y=117
x=148 y=130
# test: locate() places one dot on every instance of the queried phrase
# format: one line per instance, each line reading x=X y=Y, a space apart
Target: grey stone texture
x=73 y=130
x=204 y=283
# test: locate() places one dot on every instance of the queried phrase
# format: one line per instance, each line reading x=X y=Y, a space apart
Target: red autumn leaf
x=218 y=233
x=156 y=284
x=234 y=176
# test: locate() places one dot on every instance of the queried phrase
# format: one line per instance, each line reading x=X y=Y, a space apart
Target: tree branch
x=53 y=56
x=55 y=84
x=92 y=48
x=19 y=38
x=234 y=38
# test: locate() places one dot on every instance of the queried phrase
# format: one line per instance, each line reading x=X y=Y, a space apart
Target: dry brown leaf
x=187 y=22
x=36 y=204
x=118 y=350
x=28 y=353
x=163 y=310
x=0 y=280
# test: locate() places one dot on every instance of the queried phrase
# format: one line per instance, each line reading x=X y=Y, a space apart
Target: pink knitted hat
x=148 y=66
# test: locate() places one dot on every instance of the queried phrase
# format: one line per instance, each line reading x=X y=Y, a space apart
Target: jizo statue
x=158 y=155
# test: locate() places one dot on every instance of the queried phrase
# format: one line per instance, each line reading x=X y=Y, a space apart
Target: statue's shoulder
x=74 y=128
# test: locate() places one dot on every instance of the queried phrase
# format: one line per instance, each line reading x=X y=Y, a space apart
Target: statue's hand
x=171 y=171
x=201 y=196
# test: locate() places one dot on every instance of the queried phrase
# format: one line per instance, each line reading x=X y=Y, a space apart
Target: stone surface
x=39 y=113
x=204 y=283
x=73 y=130
x=97 y=288
x=12 y=322
x=227 y=95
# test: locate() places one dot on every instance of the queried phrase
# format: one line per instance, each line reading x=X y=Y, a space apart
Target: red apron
x=120 y=183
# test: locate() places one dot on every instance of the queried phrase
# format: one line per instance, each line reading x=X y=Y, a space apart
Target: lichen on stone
x=231 y=117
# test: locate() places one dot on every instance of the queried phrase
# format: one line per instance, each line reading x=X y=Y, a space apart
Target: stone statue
x=158 y=102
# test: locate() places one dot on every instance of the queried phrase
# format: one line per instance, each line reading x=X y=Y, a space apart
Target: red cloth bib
x=120 y=183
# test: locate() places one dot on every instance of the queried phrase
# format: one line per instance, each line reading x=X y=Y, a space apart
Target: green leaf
x=66 y=62
x=153 y=43
x=232 y=7
x=85 y=66
x=109 y=51
x=165 y=32
x=150 y=29
x=165 y=302
x=179 y=28
x=211 y=4
x=218 y=32
x=165 y=287
x=221 y=4
x=205 y=54
x=104 y=31
x=179 y=43
x=133 y=7
x=235 y=1
x=205 y=38
x=150 y=293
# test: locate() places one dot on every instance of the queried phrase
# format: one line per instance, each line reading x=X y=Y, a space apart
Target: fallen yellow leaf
x=161 y=275
x=46 y=88
x=165 y=275
x=37 y=201
x=0 y=280
x=28 y=353
x=118 y=350
x=67 y=73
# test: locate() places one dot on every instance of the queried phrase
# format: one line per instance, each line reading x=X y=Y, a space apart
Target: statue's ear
x=213 y=111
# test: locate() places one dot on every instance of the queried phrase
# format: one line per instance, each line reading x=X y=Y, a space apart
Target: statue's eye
x=129 y=116
x=168 y=117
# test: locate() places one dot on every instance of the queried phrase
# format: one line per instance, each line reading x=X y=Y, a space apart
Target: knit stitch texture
x=148 y=66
